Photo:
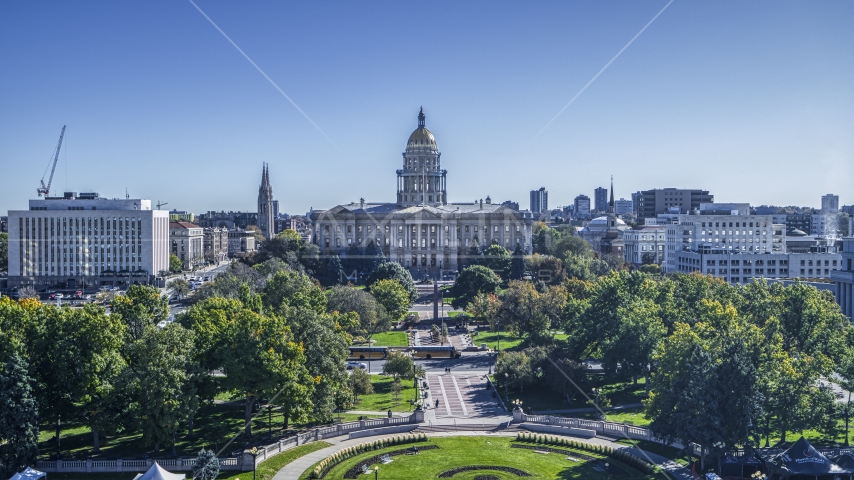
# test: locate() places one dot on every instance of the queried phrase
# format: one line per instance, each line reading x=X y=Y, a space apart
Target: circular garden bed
x=485 y=457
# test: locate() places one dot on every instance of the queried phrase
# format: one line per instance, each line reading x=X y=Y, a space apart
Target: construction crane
x=45 y=189
x=160 y=204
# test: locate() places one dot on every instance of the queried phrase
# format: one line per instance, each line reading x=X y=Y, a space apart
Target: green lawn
x=492 y=451
x=658 y=449
x=630 y=416
x=391 y=339
x=381 y=400
x=272 y=465
x=508 y=340
x=455 y=314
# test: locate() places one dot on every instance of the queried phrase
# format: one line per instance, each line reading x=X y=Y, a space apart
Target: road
x=177 y=308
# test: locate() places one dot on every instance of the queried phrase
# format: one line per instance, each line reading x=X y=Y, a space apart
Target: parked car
x=352 y=365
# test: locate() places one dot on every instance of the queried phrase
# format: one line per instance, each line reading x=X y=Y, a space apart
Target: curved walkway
x=293 y=470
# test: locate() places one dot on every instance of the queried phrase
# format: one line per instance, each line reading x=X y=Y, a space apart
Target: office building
x=644 y=244
x=653 y=202
x=85 y=241
x=511 y=204
x=600 y=199
x=187 y=240
x=216 y=245
x=624 y=207
x=721 y=232
x=227 y=220
x=539 y=201
x=843 y=278
x=582 y=206
x=240 y=242
x=181 y=216
x=830 y=203
x=742 y=267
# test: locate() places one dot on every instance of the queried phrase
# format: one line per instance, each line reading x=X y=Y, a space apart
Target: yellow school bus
x=435 y=351
x=363 y=353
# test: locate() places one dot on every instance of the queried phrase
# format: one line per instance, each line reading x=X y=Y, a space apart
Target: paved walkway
x=460 y=395
x=293 y=470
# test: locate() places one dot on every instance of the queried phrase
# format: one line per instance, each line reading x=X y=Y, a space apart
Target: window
x=349 y=229
x=400 y=229
x=400 y=243
x=467 y=229
x=432 y=228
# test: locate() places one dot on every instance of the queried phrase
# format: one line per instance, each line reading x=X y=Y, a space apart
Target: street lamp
x=254 y=452
x=607 y=472
x=506 y=380
x=376 y=472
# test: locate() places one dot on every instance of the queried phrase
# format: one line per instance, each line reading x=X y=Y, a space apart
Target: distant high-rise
x=582 y=205
x=830 y=203
x=539 y=200
x=265 y=204
x=600 y=199
x=653 y=202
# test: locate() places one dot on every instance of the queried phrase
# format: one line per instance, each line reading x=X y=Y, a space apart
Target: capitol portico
x=421 y=231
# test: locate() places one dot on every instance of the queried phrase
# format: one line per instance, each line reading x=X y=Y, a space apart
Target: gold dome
x=421 y=138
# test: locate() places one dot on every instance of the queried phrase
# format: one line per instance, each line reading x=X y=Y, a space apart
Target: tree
x=360 y=383
x=394 y=271
x=571 y=245
x=27 y=292
x=474 y=256
x=335 y=270
x=19 y=418
x=546 y=269
x=175 y=265
x=587 y=268
x=157 y=376
x=473 y=280
x=72 y=352
x=206 y=466
x=485 y=308
x=517 y=263
x=260 y=358
x=372 y=316
x=515 y=369
x=140 y=308
x=399 y=365
x=4 y=252
x=393 y=297
x=529 y=312
x=181 y=287
x=497 y=259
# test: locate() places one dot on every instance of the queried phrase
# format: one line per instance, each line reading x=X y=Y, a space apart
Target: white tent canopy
x=28 y=474
x=156 y=472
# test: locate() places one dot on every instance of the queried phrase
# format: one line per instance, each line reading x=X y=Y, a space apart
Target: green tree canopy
x=175 y=265
x=394 y=271
x=497 y=259
x=19 y=418
x=472 y=281
x=393 y=297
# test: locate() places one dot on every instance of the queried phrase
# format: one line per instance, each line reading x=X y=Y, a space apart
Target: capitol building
x=421 y=230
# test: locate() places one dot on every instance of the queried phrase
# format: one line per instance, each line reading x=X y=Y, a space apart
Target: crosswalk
x=460 y=395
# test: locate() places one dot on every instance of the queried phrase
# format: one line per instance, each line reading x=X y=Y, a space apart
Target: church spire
x=611 y=203
x=421 y=118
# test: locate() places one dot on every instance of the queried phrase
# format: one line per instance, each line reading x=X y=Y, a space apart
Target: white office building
x=84 y=241
x=742 y=267
x=644 y=244
x=727 y=232
x=624 y=207
x=844 y=278
x=830 y=203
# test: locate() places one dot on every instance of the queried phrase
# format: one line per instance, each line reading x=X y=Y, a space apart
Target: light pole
x=376 y=472
x=506 y=381
x=254 y=452
x=607 y=472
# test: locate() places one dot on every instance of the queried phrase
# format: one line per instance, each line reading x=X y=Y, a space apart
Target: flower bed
x=331 y=461
x=621 y=455
x=469 y=468
x=357 y=468
x=557 y=450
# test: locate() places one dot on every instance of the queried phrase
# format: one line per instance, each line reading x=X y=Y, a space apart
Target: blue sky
x=750 y=100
